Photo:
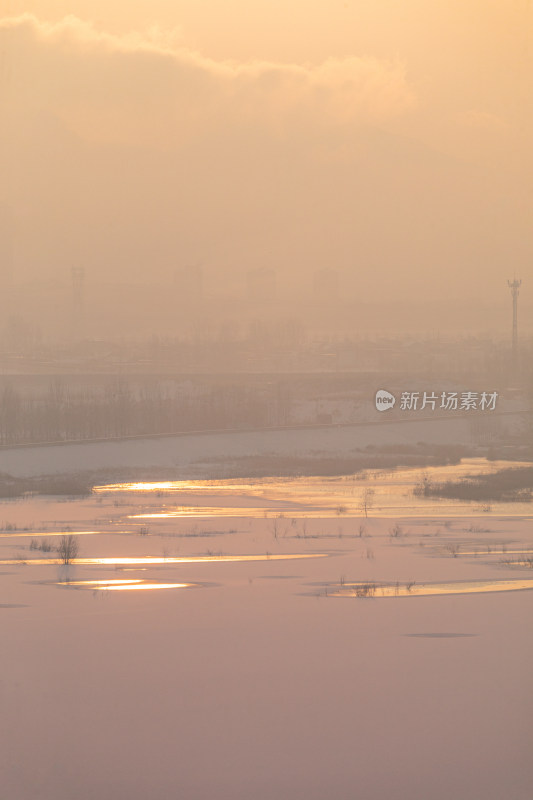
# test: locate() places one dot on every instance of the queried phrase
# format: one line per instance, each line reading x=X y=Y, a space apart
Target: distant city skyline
x=395 y=148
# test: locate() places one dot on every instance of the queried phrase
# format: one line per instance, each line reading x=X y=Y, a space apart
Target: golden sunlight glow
x=318 y=496
x=219 y=511
x=144 y=586
x=163 y=486
x=122 y=585
x=114 y=582
x=45 y=534
x=426 y=589
x=151 y=560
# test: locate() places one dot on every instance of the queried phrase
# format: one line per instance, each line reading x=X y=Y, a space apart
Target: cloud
x=150 y=89
x=131 y=154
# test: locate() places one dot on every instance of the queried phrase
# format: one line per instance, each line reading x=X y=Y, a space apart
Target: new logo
x=384 y=400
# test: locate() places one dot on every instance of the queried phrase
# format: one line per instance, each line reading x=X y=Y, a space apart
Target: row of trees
x=120 y=410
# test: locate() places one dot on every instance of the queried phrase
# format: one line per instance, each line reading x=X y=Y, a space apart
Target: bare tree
x=367 y=500
x=68 y=548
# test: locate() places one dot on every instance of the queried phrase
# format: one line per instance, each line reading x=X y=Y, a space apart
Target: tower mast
x=514 y=286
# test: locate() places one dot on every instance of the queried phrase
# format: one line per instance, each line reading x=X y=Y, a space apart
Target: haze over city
x=387 y=142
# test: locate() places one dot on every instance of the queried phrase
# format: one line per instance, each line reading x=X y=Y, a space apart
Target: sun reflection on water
x=323 y=496
x=46 y=534
x=122 y=585
x=150 y=560
x=371 y=589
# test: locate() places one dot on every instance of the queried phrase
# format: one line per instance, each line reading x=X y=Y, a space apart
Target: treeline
x=119 y=410
x=505 y=486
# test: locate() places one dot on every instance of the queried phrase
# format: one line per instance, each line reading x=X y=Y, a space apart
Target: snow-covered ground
x=270 y=676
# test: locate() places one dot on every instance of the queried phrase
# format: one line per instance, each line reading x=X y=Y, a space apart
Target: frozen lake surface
x=266 y=639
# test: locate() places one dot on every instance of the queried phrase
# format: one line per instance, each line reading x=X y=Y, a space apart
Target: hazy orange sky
x=378 y=137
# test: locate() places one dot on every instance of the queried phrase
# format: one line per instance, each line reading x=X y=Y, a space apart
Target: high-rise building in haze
x=189 y=282
x=326 y=285
x=6 y=245
x=261 y=285
x=77 y=275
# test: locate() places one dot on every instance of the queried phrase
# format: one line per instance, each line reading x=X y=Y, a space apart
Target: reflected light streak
x=45 y=534
x=361 y=590
x=144 y=587
x=149 y=560
x=223 y=511
x=323 y=496
x=122 y=585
